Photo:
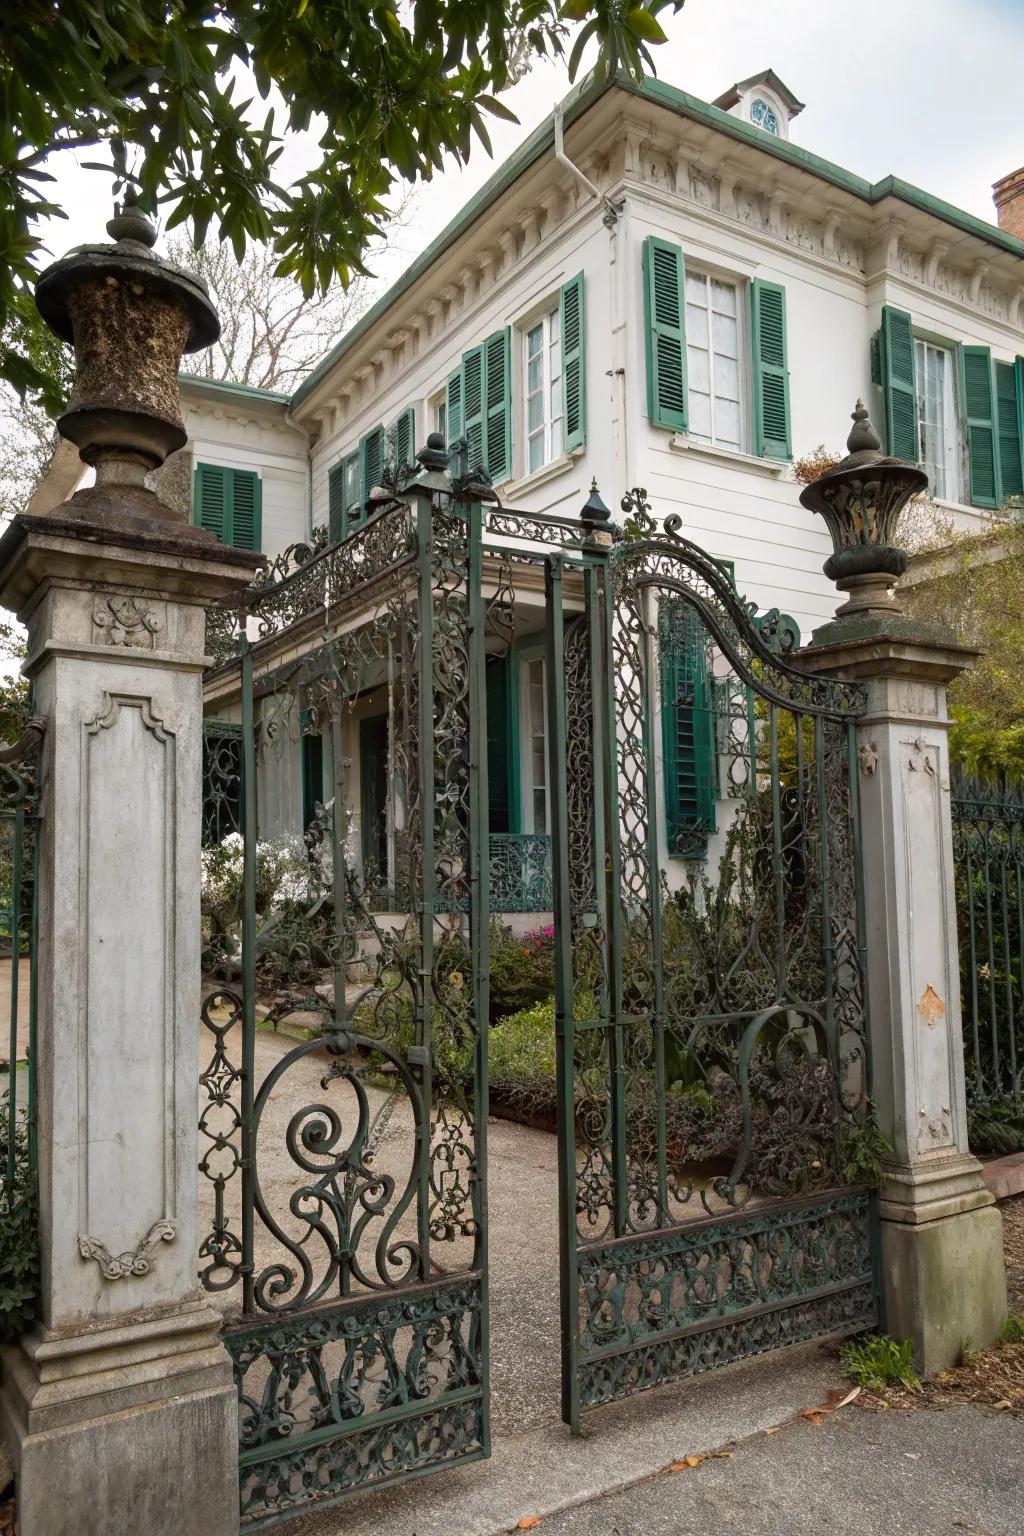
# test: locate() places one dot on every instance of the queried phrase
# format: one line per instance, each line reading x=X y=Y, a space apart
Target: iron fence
x=988 y=851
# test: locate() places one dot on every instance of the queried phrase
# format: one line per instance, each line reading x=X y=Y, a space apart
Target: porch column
x=119 y=1407
x=941 y=1232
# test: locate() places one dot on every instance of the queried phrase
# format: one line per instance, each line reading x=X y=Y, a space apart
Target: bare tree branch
x=271 y=336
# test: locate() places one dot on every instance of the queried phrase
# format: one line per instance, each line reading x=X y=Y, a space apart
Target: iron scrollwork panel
x=337 y=1166
x=719 y=1052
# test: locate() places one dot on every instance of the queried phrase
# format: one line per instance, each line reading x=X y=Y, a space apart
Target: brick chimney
x=1008 y=196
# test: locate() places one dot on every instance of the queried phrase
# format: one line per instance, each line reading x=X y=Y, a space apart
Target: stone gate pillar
x=942 y=1261
x=119 y=1407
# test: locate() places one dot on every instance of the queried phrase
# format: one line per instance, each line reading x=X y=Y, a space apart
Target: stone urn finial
x=130 y=315
x=861 y=499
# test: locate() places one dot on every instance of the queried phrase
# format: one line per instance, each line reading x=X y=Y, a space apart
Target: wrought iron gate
x=712 y=1051
x=712 y=1042
x=347 y=1172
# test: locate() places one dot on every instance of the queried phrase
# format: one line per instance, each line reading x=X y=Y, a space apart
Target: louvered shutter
x=899 y=386
x=664 y=311
x=1008 y=412
x=771 y=375
x=498 y=395
x=979 y=411
x=371 y=466
x=336 y=503
x=687 y=729
x=403 y=434
x=245 y=508
x=453 y=407
x=473 y=406
x=211 y=499
x=574 y=374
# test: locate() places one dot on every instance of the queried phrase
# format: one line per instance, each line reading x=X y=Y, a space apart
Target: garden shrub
x=19 y=1237
x=522 y=969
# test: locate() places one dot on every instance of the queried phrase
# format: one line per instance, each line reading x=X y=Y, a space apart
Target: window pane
x=535 y=452
x=700 y=368
x=700 y=415
x=535 y=373
x=556 y=437
x=535 y=339
x=727 y=378
x=696 y=288
x=696 y=325
x=727 y=423
x=535 y=412
x=725 y=334
x=723 y=296
x=555 y=323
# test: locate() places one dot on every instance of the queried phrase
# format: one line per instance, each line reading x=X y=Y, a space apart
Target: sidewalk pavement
x=896 y=1473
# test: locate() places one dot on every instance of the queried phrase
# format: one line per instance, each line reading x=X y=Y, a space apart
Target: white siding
x=257 y=437
x=510 y=299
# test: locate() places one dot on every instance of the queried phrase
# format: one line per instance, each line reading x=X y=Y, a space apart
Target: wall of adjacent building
x=240 y=432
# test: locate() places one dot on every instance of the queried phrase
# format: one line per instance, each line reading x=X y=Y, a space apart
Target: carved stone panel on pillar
x=942 y=1259
x=125 y=1379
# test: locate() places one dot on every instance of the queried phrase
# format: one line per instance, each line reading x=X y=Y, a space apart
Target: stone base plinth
x=133 y=1427
x=945 y=1283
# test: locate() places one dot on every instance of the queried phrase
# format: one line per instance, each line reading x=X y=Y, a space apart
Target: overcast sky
x=927 y=90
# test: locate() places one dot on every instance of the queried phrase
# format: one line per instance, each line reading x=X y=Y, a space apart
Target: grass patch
x=1012 y=1330
x=874 y=1363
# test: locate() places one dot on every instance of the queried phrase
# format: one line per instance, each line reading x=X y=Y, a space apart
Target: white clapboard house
x=652 y=291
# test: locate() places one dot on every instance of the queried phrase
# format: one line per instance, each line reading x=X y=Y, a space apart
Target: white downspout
x=611 y=212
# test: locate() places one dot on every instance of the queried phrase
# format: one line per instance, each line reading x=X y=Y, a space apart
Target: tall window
x=542 y=390
x=713 y=360
x=534 y=755
x=937 y=436
x=437 y=413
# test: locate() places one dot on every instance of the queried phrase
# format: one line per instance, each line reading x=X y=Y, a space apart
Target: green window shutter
x=336 y=507
x=473 y=406
x=664 y=327
x=899 y=387
x=403 y=435
x=312 y=748
x=245 y=508
x=453 y=407
x=211 y=499
x=1008 y=411
x=371 y=467
x=687 y=729
x=574 y=368
x=498 y=397
x=771 y=375
x=979 y=413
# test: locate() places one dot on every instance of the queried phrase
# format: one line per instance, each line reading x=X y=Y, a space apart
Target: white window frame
x=541 y=313
x=741 y=283
x=437 y=403
x=526 y=780
x=953 y=436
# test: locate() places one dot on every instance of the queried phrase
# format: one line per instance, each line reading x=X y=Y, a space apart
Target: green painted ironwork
x=353 y=1364
x=988 y=853
x=712 y=1046
x=712 y=1032
x=520 y=877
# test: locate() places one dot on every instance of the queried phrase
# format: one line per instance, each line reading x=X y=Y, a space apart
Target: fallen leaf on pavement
x=773 y=1430
x=527 y=1523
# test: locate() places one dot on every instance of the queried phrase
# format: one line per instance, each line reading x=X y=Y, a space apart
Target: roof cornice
x=657 y=93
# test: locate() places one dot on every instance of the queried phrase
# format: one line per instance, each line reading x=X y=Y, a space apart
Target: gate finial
x=861 y=500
